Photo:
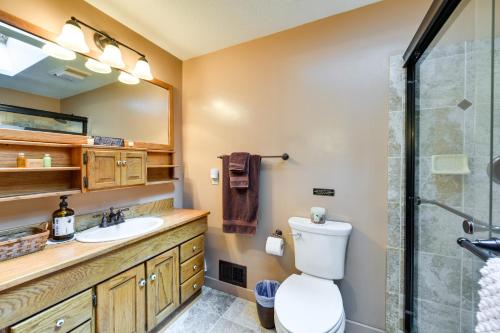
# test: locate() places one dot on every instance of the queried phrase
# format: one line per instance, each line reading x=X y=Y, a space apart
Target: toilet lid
x=308 y=304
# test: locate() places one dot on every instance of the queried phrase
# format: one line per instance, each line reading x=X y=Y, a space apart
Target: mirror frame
x=33 y=29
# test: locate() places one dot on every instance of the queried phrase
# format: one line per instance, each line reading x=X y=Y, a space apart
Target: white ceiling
x=189 y=28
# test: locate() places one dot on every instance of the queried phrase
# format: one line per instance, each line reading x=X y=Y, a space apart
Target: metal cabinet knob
x=194 y=248
x=142 y=283
x=152 y=277
x=119 y=163
x=60 y=322
x=124 y=162
x=195 y=286
x=195 y=267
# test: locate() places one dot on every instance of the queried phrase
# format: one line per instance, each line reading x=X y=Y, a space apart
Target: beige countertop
x=16 y=271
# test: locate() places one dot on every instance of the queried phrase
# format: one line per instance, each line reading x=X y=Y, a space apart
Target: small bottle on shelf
x=21 y=160
x=47 y=161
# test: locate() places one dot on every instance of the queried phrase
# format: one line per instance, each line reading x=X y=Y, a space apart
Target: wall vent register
x=233 y=273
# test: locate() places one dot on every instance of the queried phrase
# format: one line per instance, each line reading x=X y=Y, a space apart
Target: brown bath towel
x=240 y=206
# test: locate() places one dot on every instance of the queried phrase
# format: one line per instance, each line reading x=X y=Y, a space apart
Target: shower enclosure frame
x=432 y=24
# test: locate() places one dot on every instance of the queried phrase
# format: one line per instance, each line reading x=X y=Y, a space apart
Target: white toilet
x=311 y=302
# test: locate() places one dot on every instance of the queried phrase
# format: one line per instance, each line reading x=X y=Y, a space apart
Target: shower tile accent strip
x=395 y=198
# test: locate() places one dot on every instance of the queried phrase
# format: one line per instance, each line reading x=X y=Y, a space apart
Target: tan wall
x=135 y=112
x=51 y=15
x=27 y=100
x=320 y=93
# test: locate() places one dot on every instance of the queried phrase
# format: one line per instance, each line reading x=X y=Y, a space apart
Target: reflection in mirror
x=32 y=79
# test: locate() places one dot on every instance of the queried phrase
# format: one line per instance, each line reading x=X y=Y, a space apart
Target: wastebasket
x=264 y=294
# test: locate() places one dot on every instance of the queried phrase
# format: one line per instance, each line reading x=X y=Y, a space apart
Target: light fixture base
x=101 y=40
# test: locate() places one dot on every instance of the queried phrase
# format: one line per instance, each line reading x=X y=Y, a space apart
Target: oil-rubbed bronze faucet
x=112 y=217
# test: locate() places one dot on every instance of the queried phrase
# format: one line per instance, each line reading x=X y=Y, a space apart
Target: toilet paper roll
x=275 y=246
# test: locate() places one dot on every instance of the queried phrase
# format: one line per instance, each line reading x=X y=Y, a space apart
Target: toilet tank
x=320 y=248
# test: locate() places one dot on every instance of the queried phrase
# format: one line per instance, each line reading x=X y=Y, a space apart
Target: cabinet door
x=121 y=303
x=134 y=168
x=163 y=286
x=103 y=169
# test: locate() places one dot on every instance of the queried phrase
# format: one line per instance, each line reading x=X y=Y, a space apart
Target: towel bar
x=480 y=248
x=284 y=156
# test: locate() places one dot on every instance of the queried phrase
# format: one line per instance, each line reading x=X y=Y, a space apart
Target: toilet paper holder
x=277 y=233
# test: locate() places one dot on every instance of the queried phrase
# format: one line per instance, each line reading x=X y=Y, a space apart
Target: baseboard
x=355 y=327
x=229 y=288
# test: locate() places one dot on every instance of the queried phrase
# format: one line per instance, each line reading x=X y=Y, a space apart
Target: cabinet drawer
x=60 y=318
x=192 y=285
x=192 y=247
x=192 y=266
x=83 y=328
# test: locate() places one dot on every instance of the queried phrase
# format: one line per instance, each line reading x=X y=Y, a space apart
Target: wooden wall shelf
x=40 y=195
x=73 y=169
x=163 y=166
x=53 y=169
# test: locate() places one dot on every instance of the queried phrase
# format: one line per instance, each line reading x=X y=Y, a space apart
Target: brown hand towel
x=238 y=170
x=238 y=162
x=240 y=206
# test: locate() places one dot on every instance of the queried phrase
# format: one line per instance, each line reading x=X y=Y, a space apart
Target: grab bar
x=478 y=247
x=469 y=225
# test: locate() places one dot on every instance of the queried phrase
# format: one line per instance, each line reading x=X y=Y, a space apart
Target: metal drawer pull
x=60 y=322
x=119 y=163
x=194 y=248
x=124 y=162
x=195 y=267
x=142 y=283
x=152 y=277
x=195 y=286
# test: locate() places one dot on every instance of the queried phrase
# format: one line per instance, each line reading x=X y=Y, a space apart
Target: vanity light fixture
x=97 y=66
x=112 y=55
x=142 y=69
x=71 y=37
x=58 y=52
x=127 y=78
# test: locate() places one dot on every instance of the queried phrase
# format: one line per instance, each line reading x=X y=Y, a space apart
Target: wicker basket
x=21 y=241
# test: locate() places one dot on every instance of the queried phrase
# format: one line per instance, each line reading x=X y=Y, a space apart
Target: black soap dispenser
x=63 y=222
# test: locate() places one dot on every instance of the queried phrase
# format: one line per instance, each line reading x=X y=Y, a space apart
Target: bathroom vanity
x=128 y=285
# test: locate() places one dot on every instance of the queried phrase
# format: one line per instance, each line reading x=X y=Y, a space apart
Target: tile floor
x=216 y=312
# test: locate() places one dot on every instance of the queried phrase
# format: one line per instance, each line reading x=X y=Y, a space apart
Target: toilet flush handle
x=296 y=235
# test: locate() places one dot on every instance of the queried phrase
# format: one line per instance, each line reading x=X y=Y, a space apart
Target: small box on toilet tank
x=318 y=215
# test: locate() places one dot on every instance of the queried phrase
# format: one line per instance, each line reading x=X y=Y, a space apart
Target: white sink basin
x=131 y=227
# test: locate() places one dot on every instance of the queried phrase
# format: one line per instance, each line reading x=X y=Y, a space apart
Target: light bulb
x=142 y=69
x=58 y=52
x=72 y=37
x=97 y=66
x=127 y=78
x=112 y=55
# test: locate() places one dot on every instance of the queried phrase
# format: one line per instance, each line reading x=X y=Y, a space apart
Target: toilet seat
x=307 y=304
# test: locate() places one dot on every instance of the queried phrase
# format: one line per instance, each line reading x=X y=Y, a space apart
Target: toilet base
x=281 y=329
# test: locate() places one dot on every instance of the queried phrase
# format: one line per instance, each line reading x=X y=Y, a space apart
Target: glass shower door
x=456 y=141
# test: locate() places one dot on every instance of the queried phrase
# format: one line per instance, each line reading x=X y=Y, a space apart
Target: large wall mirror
x=41 y=92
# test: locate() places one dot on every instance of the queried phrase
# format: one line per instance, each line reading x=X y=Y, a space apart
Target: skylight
x=16 y=56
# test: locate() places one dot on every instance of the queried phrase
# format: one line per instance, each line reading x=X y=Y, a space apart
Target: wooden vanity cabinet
x=163 y=286
x=71 y=315
x=121 y=303
x=108 y=168
x=121 y=300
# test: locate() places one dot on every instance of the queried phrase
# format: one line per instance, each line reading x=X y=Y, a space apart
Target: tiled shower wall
x=447 y=275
